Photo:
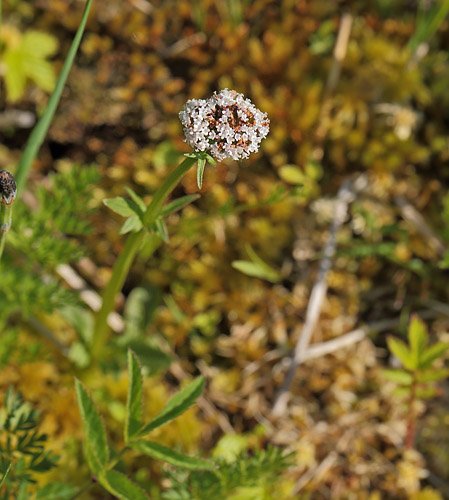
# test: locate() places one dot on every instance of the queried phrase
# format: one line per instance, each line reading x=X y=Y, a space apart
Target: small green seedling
x=416 y=380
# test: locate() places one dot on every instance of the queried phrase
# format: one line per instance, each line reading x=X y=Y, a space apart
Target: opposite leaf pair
x=96 y=445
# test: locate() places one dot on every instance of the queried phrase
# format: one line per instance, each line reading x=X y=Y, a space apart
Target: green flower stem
x=126 y=257
x=40 y=130
x=5 y=224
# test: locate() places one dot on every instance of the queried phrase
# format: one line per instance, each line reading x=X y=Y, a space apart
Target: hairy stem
x=126 y=258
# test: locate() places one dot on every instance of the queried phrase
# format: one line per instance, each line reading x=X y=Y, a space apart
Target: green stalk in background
x=40 y=130
x=7 y=196
x=126 y=258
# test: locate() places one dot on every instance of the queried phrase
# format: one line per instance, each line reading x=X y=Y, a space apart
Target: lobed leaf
x=159 y=452
x=93 y=426
x=135 y=397
x=177 y=405
x=118 y=484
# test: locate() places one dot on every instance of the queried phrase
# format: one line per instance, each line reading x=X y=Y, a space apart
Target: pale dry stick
x=339 y=54
x=411 y=215
x=316 y=472
x=344 y=197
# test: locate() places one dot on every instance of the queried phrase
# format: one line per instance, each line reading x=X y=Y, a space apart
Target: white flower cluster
x=226 y=125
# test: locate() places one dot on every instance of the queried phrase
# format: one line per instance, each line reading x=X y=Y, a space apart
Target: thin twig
x=344 y=197
x=411 y=215
x=316 y=472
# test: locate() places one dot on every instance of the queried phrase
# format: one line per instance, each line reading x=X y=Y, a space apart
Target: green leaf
x=200 y=171
x=256 y=268
x=432 y=375
x=292 y=174
x=140 y=308
x=137 y=199
x=417 y=337
x=159 y=452
x=399 y=376
x=56 y=491
x=132 y=224
x=38 y=44
x=92 y=460
x=177 y=405
x=161 y=229
x=93 y=425
x=426 y=392
x=153 y=359
x=432 y=353
x=134 y=401
x=401 y=351
x=123 y=207
x=118 y=484
x=15 y=76
x=178 y=204
x=5 y=475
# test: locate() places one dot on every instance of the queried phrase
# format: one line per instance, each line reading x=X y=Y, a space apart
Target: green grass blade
x=40 y=130
x=5 y=475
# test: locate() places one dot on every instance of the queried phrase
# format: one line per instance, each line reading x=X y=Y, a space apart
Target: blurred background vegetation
x=379 y=108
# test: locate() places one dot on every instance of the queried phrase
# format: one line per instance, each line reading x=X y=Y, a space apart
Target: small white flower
x=226 y=125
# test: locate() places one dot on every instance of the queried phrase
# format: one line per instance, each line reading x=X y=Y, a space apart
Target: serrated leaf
x=432 y=353
x=200 y=171
x=137 y=199
x=177 y=405
x=56 y=491
x=132 y=224
x=134 y=402
x=123 y=207
x=401 y=351
x=92 y=460
x=118 y=484
x=417 y=337
x=159 y=452
x=399 y=376
x=93 y=425
x=151 y=358
x=178 y=204
x=432 y=375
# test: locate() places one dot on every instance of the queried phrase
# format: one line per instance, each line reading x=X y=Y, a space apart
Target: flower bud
x=8 y=188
